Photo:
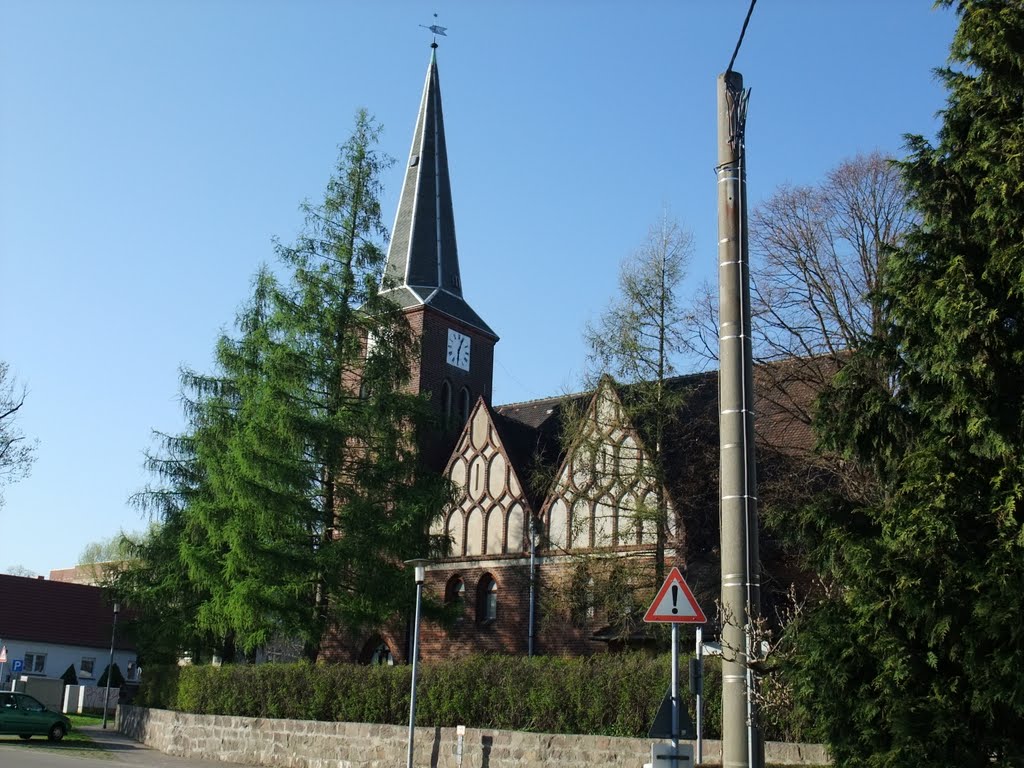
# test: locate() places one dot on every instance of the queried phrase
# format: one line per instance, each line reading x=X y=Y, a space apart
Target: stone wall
x=305 y=744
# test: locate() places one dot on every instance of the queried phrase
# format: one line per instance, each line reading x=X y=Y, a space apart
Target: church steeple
x=423 y=260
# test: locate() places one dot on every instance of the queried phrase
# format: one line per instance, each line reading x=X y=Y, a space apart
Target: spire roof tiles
x=423 y=260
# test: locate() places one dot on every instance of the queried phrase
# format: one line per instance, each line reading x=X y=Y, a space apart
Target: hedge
x=608 y=694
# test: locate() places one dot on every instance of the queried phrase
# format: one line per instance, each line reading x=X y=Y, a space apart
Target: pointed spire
x=423 y=258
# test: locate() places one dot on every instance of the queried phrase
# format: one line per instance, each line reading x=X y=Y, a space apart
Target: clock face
x=458 y=350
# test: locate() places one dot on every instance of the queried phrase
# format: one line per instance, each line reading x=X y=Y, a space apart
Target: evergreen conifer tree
x=915 y=657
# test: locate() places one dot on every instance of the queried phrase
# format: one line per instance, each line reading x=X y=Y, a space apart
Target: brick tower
x=422 y=276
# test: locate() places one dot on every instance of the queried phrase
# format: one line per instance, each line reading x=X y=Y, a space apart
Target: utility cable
x=743 y=31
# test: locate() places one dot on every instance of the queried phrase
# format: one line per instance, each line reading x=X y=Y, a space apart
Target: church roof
x=535 y=438
x=423 y=259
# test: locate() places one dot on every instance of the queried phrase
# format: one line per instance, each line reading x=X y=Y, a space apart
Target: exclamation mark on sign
x=675 y=598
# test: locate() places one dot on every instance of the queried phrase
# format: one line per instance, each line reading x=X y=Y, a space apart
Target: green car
x=21 y=715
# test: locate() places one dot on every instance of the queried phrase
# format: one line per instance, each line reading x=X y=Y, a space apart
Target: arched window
x=376 y=652
x=455 y=592
x=582 y=596
x=463 y=406
x=446 y=404
x=487 y=600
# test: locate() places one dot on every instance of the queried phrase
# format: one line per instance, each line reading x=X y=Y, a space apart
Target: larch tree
x=301 y=489
x=915 y=658
x=637 y=340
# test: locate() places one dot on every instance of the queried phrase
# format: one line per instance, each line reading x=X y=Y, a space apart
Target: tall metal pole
x=420 y=570
x=700 y=697
x=738 y=483
x=675 y=689
x=534 y=531
x=110 y=666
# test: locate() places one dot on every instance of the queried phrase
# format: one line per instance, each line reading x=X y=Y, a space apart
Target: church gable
x=605 y=491
x=493 y=510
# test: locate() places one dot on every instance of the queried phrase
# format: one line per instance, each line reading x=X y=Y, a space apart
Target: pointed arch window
x=455 y=594
x=464 y=401
x=487 y=600
x=456 y=591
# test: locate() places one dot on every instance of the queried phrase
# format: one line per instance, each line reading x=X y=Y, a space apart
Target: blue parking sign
x=17 y=665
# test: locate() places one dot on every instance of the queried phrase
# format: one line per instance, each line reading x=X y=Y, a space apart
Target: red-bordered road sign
x=675 y=603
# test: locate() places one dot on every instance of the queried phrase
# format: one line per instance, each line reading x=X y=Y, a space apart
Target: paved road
x=117 y=752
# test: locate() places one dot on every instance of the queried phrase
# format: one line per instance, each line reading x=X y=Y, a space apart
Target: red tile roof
x=56 y=612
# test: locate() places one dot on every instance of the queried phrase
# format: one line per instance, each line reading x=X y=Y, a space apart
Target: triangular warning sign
x=675 y=603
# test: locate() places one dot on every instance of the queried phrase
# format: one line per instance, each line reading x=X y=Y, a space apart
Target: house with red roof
x=48 y=626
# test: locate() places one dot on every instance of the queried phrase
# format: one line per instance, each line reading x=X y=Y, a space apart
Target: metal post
x=110 y=666
x=675 y=690
x=700 y=697
x=738 y=485
x=534 y=531
x=420 y=571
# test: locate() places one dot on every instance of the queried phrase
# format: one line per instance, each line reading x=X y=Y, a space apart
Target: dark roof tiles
x=56 y=612
x=423 y=257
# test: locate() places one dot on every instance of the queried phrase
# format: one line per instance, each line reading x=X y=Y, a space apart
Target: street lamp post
x=110 y=666
x=420 y=569
x=536 y=528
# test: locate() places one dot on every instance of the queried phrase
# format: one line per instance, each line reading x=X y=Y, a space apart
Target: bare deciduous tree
x=816 y=253
x=17 y=452
x=21 y=570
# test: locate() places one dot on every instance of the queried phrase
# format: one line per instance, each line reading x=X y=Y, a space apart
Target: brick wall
x=433 y=369
x=556 y=633
x=306 y=744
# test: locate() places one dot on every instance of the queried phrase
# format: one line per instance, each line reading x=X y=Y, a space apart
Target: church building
x=556 y=528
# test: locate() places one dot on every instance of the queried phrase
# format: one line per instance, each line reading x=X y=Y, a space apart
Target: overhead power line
x=742 y=33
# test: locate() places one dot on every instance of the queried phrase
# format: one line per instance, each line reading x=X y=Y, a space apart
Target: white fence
x=88 y=698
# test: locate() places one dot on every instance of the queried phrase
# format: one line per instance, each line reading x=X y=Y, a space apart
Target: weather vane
x=436 y=30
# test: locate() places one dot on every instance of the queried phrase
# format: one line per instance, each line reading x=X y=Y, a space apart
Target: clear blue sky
x=149 y=151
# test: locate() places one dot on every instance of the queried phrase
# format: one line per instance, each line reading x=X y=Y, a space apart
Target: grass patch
x=77 y=721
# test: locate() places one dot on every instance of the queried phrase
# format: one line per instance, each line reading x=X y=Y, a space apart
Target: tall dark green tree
x=916 y=659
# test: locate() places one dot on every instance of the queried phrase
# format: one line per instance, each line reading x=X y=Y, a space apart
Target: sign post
x=700 y=696
x=675 y=604
x=3 y=662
